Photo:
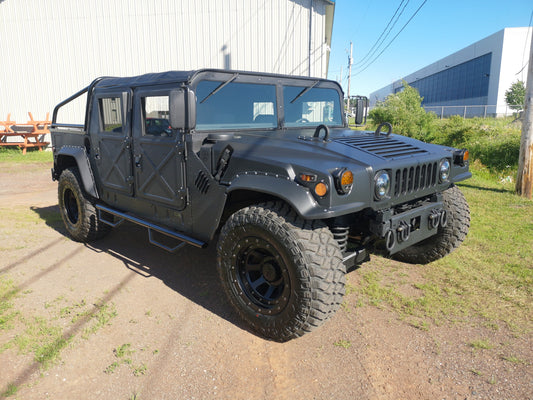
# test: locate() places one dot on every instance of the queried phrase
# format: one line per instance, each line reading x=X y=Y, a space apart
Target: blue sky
x=440 y=28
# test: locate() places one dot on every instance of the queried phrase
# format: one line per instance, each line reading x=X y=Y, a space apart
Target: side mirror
x=360 y=110
x=182 y=104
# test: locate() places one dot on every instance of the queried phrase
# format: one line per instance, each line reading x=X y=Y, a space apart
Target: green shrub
x=404 y=111
x=493 y=142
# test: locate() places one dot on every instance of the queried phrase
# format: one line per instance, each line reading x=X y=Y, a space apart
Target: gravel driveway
x=137 y=322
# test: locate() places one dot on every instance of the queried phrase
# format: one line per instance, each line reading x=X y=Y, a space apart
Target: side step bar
x=151 y=227
x=355 y=257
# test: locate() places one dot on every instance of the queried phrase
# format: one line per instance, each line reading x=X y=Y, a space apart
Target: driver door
x=158 y=151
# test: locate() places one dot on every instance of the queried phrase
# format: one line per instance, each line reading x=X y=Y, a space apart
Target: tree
x=405 y=112
x=516 y=95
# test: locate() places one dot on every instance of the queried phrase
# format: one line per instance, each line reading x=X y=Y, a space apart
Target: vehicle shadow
x=51 y=217
x=485 y=189
x=190 y=271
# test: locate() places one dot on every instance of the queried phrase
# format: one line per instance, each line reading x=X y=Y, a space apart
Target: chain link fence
x=485 y=111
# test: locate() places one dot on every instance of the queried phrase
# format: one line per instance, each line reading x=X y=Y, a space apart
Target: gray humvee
x=269 y=162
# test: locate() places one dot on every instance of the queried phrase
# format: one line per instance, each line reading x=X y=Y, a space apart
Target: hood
x=281 y=152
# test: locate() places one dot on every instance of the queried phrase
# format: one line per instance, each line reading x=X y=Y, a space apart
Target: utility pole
x=350 y=62
x=524 y=181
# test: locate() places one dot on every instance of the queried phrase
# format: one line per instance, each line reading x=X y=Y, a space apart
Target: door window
x=155 y=112
x=111 y=114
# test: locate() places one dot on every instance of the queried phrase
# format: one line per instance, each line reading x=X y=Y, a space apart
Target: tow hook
x=438 y=217
x=404 y=231
x=434 y=219
x=443 y=218
x=390 y=240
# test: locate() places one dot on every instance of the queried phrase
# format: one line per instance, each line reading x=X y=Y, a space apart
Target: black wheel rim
x=262 y=275
x=71 y=206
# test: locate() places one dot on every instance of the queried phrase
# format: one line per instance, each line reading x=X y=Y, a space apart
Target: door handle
x=137 y=160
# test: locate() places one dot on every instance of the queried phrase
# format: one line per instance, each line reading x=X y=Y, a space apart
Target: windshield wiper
x=220 y=87
x=304 y=91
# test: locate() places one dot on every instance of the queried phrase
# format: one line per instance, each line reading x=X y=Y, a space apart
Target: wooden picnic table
x=32 y=133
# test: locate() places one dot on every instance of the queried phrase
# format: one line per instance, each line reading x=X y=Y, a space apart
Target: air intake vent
x=202 y=182
x=381 y=146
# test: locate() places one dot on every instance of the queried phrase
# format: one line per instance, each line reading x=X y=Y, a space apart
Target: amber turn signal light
x=321 y=189
x=305 y=177
x=460 y=157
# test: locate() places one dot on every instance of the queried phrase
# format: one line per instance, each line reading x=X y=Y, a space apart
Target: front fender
x=297 y=196
x=79 y=154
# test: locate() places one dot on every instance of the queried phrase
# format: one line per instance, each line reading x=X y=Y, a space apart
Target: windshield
x=230 y=105
x=224 y=105
x=311 y=106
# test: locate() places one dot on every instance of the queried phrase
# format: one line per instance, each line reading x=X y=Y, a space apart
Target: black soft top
x=162 y=78
x=156 y=78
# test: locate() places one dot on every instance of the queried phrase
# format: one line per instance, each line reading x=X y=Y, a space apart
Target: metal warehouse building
x=53 y=48
x=472 y=81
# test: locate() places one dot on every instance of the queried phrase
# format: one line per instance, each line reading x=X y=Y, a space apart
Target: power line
x=373 y=49
x=392 y=40
x=525 y=43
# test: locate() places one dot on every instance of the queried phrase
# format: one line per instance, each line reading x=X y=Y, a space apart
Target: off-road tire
x=283 y=275
x=77 y=209
x=448 y=238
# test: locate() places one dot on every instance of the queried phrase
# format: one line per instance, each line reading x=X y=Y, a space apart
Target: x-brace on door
x=158 y=151
x=110 y=131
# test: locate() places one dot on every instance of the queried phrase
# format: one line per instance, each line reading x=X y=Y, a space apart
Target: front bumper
x=404 y=229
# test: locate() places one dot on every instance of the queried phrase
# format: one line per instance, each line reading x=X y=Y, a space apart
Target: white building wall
x=514 y=59
x=53 y=48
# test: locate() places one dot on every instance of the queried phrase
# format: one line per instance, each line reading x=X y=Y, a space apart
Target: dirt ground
x=171 y=334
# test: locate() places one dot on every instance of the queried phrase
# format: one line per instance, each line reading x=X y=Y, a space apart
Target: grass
x=103 y=315
x=41 y=336
x=11 y=390
x=345 y=344
x=488 y=280
x=42 y=339
x=513 y=359
x=7 y=292
x=480 y=344
x=123 y=355
x=14 y=155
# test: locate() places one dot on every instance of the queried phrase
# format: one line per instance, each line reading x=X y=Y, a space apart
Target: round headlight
x=444 y=170
x=382 y=184
x=344 y=181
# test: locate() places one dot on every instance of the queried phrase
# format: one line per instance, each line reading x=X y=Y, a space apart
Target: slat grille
x=412 y=179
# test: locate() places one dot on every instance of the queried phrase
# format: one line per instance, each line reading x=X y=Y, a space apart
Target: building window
x=464 y=81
